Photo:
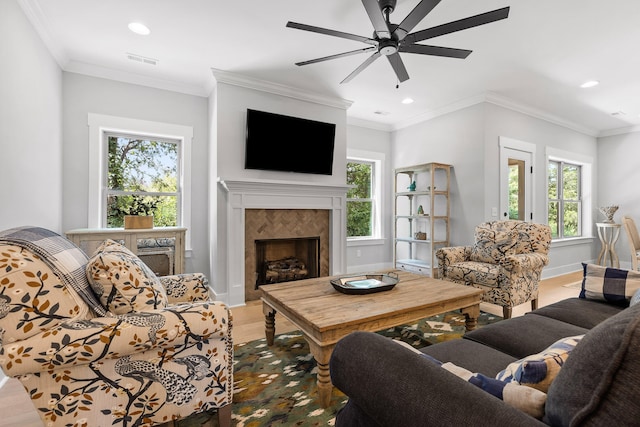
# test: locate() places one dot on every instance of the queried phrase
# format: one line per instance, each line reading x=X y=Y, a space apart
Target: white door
x=516 y=181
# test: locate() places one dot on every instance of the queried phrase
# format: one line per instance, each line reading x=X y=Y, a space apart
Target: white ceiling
x=533 y=61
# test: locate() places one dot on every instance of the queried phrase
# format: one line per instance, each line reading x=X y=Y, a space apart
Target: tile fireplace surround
x=267 y=194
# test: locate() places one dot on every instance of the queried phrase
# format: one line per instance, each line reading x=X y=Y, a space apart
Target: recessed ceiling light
x=139 y=28
x=590 y=83
x=407 y=101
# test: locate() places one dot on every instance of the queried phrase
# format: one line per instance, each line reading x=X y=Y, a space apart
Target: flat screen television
x=288 y=144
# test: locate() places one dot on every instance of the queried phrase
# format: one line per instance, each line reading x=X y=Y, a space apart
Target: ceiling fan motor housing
x=388 y=47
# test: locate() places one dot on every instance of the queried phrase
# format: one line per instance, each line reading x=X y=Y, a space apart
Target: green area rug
x=277 y=385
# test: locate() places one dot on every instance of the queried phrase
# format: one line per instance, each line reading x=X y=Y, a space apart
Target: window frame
x=377 y=161
x=585 y=184
x=100 y=126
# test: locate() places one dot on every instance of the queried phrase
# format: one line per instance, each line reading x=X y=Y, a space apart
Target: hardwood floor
x=248 y=325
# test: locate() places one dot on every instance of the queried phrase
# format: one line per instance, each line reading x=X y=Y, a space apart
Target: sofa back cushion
x=32 y=298
x=122 y=282
x=598 y=383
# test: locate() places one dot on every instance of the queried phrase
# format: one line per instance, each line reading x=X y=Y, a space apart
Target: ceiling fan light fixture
x=139 y=28
x=590 y=83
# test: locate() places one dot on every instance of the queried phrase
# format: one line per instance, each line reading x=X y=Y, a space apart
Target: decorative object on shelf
x=608 y=211
x=412 y=187
x=420 y=235
x=420 y=210
x=429 y=188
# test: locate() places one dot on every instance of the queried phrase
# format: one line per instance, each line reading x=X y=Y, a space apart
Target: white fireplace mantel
x=272 y=194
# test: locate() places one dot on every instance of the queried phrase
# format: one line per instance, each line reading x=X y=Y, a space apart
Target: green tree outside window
x=142 y=179
x=359 y=199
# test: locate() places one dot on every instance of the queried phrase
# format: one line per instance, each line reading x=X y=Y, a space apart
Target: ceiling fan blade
x=362 y=66
x=398 y=66
x=414 y=17
x=377 y=18
x=339 y=55
x=328 y=32
x=448 y=52
x=462 y=24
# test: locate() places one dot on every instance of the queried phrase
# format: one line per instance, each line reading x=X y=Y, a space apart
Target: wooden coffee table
x=325 y=315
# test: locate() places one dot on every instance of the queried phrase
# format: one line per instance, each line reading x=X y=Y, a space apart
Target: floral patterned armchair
x=103 y=341
x=505 y=261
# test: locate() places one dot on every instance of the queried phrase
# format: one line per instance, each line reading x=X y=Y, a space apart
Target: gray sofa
x=598 y=384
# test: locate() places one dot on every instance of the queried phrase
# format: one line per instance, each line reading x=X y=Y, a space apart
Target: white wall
x=378 y=256
x=618 y=183
x=84 y=95
x=30 y=126
x=229 y=110
x=456 y=139
x=469 y=140
x=501 y=121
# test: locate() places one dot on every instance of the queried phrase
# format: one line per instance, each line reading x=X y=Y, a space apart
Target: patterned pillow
x=539 y=370
x=32 y=298
x=492 y=247
x=526 y=399
x=122 y=282
x=613 y=285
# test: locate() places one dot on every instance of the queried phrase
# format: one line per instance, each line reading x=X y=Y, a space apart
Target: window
x=565 y=201
x=364 y=198
x=142 y=179
x=139 y=162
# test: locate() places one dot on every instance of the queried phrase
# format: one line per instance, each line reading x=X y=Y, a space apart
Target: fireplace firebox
x=283 y=260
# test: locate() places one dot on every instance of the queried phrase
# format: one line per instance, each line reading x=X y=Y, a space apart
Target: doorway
x=516 y=179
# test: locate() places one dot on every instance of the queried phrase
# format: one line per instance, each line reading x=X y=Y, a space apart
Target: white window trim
x=378 y=159
x=586 y=163
x=98 y=125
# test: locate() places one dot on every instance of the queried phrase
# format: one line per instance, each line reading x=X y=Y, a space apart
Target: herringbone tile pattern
x=282 y=224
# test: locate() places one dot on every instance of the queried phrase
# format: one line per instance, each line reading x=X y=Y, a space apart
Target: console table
x=608 y=234
x=146 y=243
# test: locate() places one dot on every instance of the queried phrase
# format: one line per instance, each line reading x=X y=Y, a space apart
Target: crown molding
x=619 y=131
x=500 y=101
x=37 y=18
x=430 y=115
x=133 y=78
x=279 y=89
x=505 y=102
x=368 y=124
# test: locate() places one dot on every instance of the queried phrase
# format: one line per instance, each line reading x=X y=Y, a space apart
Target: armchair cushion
x=187 y=287
x=491 y=246
x=122 y=282
x=474 y=272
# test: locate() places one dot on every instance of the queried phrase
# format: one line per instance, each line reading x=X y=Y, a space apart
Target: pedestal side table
x=608 y=234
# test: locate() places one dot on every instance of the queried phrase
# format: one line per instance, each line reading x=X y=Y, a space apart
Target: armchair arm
x=516 y=264
x=397 y=387
x=187 y=287
x=84 y=341
x=451 y=255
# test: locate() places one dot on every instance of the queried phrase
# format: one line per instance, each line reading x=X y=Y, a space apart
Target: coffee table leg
x=325 y=387
x=269 y=323
x=471 y=315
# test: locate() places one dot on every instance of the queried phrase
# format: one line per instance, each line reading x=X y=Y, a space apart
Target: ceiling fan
x=391 y=39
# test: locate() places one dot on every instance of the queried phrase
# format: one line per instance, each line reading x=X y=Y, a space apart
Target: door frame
x=521 y=150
